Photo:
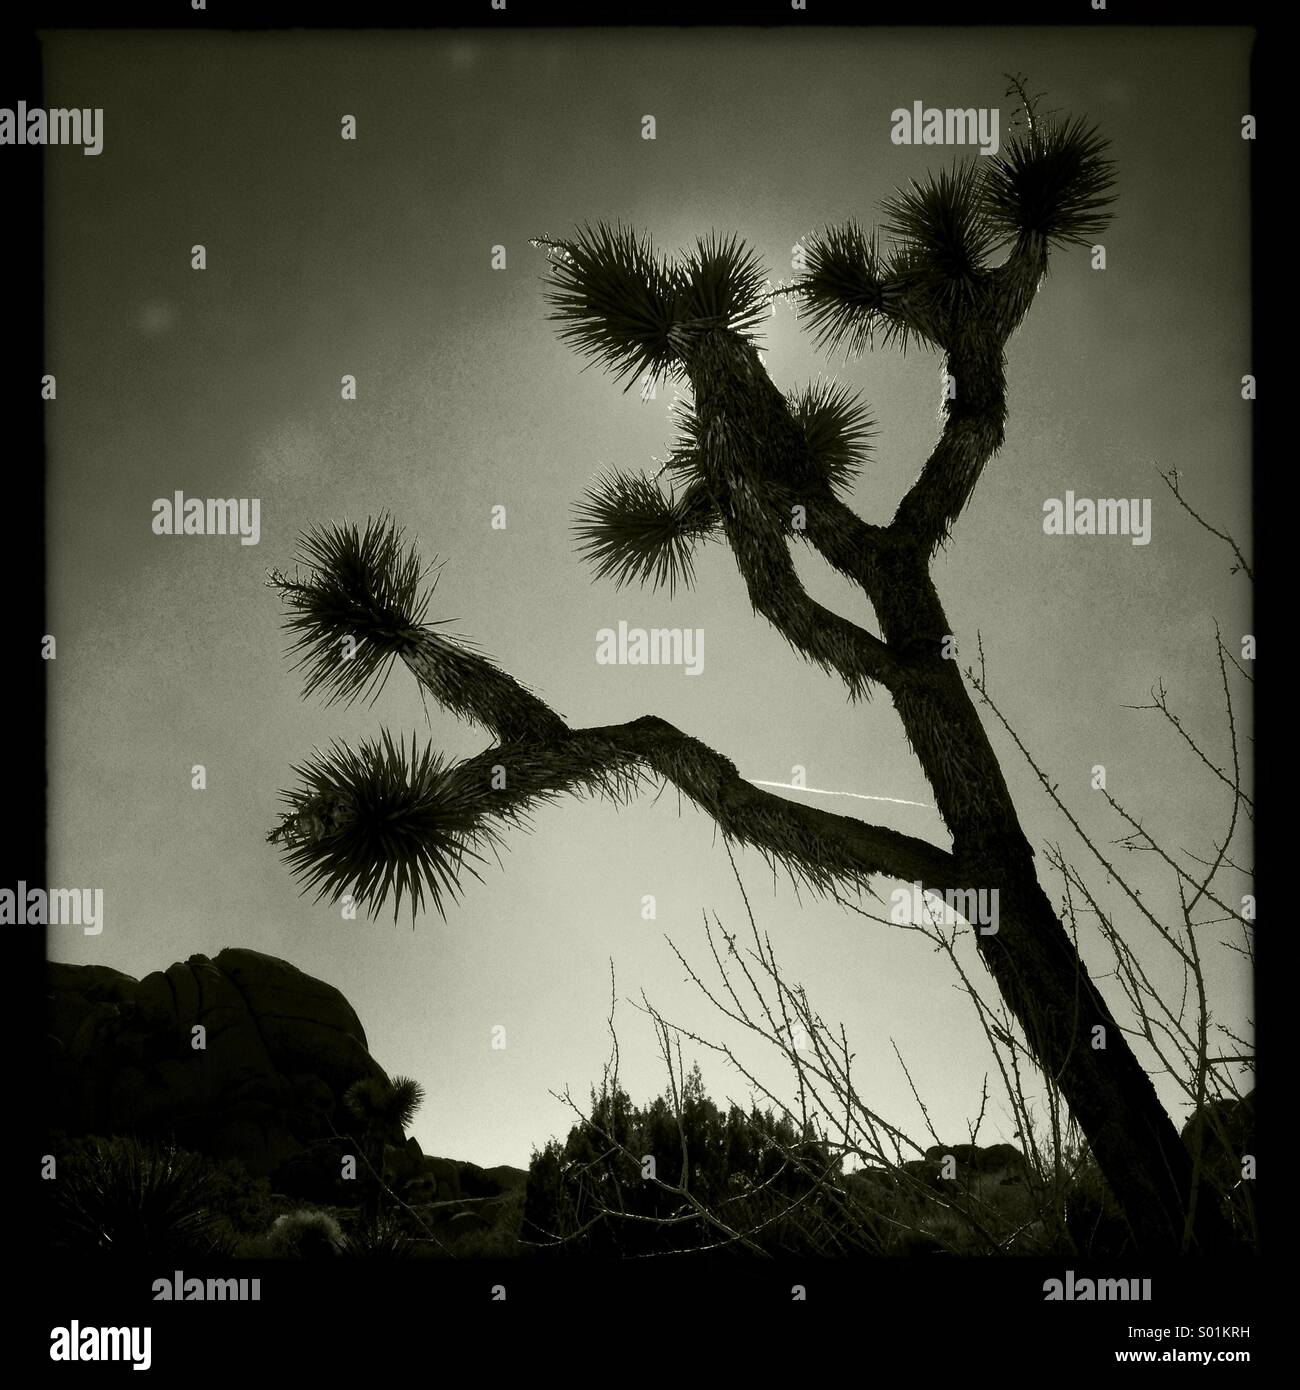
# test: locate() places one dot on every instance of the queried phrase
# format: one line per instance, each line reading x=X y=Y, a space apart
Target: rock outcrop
x=979 y=1158
x=1225 y=1130
x=1228 y=1122
x=242 y=1056
x=279 y=1051
x=1002 y=1161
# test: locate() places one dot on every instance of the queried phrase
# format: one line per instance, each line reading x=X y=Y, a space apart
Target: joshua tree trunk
x=1067 y=1023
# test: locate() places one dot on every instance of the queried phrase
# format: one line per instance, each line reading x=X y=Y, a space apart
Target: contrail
x=857 y=796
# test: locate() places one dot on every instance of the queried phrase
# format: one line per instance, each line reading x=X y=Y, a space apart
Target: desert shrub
x=754 y=1171
x=244 y=1202
x=383 y=1239
x=490 y=1230
x=1224 y=1132
x=138 y=1199
x=304 y=1235
x=1093 y=1217
x=498 y=1242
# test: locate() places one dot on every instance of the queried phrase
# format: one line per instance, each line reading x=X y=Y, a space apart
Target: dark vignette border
x=976 y=1312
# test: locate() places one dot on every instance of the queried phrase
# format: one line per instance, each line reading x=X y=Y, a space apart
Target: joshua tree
x=382 y=1108
x=759 y=470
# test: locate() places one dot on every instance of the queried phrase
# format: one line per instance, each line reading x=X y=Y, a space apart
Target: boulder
x=973 y=1159
x=280 y=1050
x=1225 y=1129
x=505 y=1178
x=444 y=1173
x=1225 y=1126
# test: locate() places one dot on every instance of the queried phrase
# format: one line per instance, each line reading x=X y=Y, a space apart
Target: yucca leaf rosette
x=619 y=302
x=359 y=606
x=383 y=820
x=854 y=288
x=1051 y=181
x=355 y=603
x=384 y=1103
x=838 y=427
x=629 y=529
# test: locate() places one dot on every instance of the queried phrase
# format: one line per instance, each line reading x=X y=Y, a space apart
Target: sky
x=373 y=258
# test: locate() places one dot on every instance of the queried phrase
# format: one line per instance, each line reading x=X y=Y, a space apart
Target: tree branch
x=750 y=449
x=384 y=820
x=815 y=845
x=1170 y=477
x=975 y=412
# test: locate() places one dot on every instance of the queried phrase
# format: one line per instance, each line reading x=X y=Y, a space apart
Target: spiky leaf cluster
x=833 y=429
x=619 y=302
x=384 y=1102
x=138 y=1199
x=722 y=284
x=359 y=606
x=854 y=288
x=614 y=299
x=1051 y=180
x=942 y=225
x=382 y=820
x=837 y=427
x=630 y=530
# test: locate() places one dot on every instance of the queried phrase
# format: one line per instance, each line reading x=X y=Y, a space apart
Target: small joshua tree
x=381 y=1107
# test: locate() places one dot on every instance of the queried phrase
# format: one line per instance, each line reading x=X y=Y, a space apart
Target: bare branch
x=1170 y=477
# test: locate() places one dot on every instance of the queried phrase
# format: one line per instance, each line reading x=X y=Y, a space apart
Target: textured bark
x=750 y=441
x=850 y=848
x=1031 y=957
